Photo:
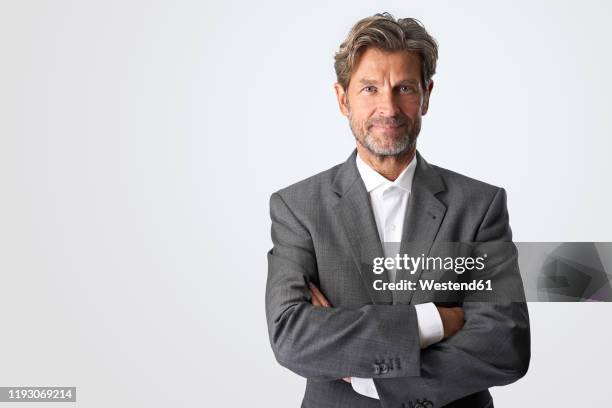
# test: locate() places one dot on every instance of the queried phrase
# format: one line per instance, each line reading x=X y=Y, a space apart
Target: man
x=329 y=321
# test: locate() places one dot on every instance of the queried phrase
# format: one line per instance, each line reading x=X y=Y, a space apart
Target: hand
x=318 y=299
x=452 y=319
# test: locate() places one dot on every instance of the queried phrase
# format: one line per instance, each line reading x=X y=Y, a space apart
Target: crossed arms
x=381 y=341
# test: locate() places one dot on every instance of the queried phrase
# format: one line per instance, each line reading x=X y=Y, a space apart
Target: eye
x=369 y=89
x=406 y=89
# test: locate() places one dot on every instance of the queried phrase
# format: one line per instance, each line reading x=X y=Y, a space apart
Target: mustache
x=394 y=121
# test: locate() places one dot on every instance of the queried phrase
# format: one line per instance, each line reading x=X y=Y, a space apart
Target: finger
x=314 y=300
x=314 y=291
x=320 y=296
x=347 y=379
x=317 y=298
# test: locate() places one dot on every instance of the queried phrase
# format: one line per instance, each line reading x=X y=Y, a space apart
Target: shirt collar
x=373 y=180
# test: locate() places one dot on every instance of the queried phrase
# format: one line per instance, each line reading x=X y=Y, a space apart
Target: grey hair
x=384 y=32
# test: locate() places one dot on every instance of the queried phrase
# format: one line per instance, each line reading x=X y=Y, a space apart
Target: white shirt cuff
x=430 y=325
x=364 y=386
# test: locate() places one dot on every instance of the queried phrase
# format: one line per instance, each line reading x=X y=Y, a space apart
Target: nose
x=387 y=104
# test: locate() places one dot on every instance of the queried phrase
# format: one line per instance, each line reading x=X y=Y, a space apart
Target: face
x=385 y=101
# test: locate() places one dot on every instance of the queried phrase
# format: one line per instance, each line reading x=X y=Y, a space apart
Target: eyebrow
x=366 y=81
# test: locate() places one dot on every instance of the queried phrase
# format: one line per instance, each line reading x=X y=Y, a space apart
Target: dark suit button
x=384 y=369
x=425 y=403
x=376 y=368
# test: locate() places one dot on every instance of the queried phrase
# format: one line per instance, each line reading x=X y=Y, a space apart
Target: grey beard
x=404 y=144
x=401 y=146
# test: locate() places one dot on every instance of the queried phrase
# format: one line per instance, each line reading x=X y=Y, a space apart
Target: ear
x=342 y=99
x=425 y=106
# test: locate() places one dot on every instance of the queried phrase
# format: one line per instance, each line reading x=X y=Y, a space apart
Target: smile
x=387 y=128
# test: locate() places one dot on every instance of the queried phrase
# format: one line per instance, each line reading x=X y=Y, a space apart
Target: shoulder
x=473 y=202
x=460 y=184
x=310 y=191
x=478 y=210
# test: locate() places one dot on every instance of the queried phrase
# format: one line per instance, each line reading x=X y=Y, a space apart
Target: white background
x=140 y=142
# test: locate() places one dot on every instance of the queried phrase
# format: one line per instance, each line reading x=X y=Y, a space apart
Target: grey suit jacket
x=323 y=231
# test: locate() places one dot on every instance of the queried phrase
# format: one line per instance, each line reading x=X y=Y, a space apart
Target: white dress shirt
x=389 y=201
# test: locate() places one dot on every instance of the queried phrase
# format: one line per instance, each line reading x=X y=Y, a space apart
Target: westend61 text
x=430 y=284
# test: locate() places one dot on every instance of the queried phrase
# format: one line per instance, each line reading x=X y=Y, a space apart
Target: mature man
x=363 y=347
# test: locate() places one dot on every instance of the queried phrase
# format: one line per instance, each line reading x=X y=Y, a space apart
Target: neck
x=389 y=167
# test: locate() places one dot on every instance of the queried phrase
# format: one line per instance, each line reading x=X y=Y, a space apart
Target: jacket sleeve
x=492 y=348
x=329 y=343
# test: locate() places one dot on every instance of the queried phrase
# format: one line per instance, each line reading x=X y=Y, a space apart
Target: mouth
x=387 y=128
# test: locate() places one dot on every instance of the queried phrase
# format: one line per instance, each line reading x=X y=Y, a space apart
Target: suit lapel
x=424 y=214
x=355 y=214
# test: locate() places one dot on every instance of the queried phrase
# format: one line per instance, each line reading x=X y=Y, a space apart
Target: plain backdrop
x=140 y=142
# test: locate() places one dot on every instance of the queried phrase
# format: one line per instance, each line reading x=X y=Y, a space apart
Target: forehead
x=376 y=62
